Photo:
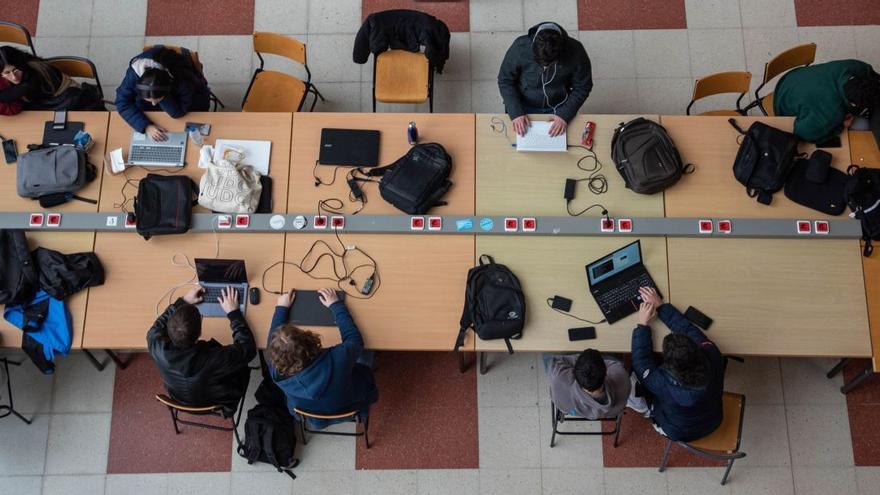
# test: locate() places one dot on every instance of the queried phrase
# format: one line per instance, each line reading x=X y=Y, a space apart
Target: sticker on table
x=463 y=225
x=487 y=224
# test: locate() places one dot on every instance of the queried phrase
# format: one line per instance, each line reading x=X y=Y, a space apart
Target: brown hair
x=293 y=349
x=185 y=326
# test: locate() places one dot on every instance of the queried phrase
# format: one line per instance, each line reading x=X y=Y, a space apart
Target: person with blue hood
x=161 y=79
x=314 y=379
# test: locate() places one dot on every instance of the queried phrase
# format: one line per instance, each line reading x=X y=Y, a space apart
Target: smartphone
x=10 y=151
x=582 y=333
x=60 y=120
x=696 y=317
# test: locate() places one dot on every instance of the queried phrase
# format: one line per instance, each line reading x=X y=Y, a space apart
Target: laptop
x=308 y=310
x=144 y=152
x=538 y=138
x=349 y=147
x=215 y=275
x=615 y=280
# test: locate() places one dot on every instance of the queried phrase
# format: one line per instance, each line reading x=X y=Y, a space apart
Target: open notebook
x=538 y=138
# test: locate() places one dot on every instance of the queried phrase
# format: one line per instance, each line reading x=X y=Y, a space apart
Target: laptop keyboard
x=212 y=294
x=624 y=293
x=158 y=154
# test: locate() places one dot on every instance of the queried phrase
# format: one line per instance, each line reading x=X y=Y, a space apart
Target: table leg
x=115 y=357
x=867 y=372
x=92 y=359
x=483 y=368
x=837 y=367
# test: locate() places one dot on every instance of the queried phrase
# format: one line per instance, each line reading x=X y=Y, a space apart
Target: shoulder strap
x=736 y=126
x=488 y=257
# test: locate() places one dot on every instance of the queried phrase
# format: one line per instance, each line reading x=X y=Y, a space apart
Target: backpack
x=62 y=275
x=645 y=156
x=163 y=204
x=269 y=437
x=18 y=272
x=53 y=174
x=764 y=160
x=416 y=181
x=494 y=304
x=862 y=194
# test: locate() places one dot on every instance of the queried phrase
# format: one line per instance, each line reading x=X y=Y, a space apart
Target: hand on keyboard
x=228 y=299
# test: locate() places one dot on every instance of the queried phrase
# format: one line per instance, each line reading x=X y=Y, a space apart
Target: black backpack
x=62 y=275
x=862 y=194
x=494 y=304
x=269 y=437
x=416 y=181
x=765 y=158
x=163 y=204
x=645 y=156
x=18 y=272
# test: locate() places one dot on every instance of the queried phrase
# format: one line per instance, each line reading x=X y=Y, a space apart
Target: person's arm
x=177 y=103
x=243 y=348
x=126 y=103
x=672 y=318
x=280 y=317
x=643 y=363
x=581 y=85
x=15 y=92
x=352 y=340
x=159 y=331
x=508 y=79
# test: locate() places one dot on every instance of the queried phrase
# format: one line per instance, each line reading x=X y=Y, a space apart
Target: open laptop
x=145 y=152
x=615 y=280
x=349 y=147
x=214 y=275
x=537 y=138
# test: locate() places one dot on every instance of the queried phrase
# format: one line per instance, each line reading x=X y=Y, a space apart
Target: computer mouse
x=254 y=296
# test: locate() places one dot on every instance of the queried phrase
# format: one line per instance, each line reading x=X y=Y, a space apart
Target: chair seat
x=401 y=77
x=325 y=416
x=726 y=437
x=168 y=401
x=767 y=104
x=274 y=92
x=732 y=113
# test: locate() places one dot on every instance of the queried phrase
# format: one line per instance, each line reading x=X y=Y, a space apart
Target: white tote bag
x=228 y=186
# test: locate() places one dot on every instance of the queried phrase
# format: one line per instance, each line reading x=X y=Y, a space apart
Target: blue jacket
x=51 y=326
x=685 y=413
x=185 y=96
x=334 y=382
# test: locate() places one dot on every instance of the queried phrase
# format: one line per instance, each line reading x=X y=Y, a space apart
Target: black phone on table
x=10 y=151
x=582 y=333
x=697 y=317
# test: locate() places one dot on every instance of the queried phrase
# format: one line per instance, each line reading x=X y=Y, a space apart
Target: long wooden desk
x=27 y=128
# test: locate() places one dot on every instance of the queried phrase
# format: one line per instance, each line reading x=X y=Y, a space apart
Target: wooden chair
x=723 y=443
x=561 y=417
x=721 y=83
x=400 y=76
x=197 y=65
x=799 y=56
x=215 y=410
x=273 y=91
x=350 y=415
x=11 y=32
x=78 y=67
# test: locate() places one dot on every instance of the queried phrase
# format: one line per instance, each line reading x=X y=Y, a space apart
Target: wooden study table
x=27 y=128
x=139 y=272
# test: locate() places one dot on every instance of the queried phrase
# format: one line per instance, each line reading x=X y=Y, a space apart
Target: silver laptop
x=214 y=276
x=145 y=152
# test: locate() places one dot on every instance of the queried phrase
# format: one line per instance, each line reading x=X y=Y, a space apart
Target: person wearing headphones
x=546 y=72
x=161 y=79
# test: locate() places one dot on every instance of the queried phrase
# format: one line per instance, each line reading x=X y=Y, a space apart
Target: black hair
x=590 y=370
x=31 y=66
x=17 y=58
x=157 y=83
x=862 y=93
x=684 y=359
x=547 y=46
x=185 y=326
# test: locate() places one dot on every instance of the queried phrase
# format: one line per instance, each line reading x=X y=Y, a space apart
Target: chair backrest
x=193 y=55
x=168 y=401
x=722 y=82
x=283 y=46
x=11 y=32
x=789 y=59
x=349 y=414
x=75 y=66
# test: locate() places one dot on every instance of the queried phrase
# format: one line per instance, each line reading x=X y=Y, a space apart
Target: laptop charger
x=569 y=189
x=561 y=303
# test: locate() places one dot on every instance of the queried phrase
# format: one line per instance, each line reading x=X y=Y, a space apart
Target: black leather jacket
x=207 y=373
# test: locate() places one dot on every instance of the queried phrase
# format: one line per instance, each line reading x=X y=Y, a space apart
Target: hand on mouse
x=286 y=299
x=327 y=297
x=194 y=296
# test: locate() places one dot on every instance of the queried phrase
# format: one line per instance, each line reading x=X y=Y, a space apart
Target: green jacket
x=814 y=96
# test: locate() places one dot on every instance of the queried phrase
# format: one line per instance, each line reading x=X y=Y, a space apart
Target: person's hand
x=649 y=295
x=286 y=299
x=228 y=299
x=521 y=125
x=647 y=312
x=194 y=296
x=848 y=121
x=558 y=125
x=327 y=297
x=156 y=133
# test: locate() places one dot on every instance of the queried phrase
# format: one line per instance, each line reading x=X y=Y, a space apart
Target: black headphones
x=147 y=87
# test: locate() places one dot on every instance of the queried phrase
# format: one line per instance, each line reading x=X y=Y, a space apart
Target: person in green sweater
x=825 y=98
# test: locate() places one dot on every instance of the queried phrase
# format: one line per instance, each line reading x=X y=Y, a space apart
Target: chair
x=78 y=67
x=9 y=409
x=723 y=443
x=561 y=417
x=11 y=32
x=175 y=408
x=351 y=415
x=720 y=83
x=799 y=56
x=273 y=91
x=400 y=76
x=197 y=65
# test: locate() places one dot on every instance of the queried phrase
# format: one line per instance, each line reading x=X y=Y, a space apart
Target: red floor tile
x=863 y=421
x=142 y=438
x=23 y=12
x=199 y=17
x=455 y=13
x=839 y=13
x=426 y=417
x=641 y=446
x=631 y=14
x=868 y=392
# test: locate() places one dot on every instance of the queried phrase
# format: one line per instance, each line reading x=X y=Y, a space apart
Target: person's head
x=547 y=44
x=185 y=326
x=684 y=359
x=154 y=85
x=862 y=94
x=14 y=62
x=293 y=349
x=589 y=370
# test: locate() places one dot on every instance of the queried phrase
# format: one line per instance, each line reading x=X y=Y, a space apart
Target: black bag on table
x=494 y=304
x=645 y=156
x=163 y=204
x=62 y=275
x=764 y=160
x=416 y=181
x=18 y=273
x=814 y=184
x=862 y=195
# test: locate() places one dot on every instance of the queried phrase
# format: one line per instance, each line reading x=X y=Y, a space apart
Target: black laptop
x=615 y=280
x=349 y=147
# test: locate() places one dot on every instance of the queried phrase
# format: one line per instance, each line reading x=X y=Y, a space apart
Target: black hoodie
x=521 y=84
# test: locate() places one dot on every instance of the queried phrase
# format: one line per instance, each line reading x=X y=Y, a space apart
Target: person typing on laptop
x=198 y=372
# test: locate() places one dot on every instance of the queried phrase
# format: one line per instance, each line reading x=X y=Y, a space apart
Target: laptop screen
x=614 y=263
x=221 y=271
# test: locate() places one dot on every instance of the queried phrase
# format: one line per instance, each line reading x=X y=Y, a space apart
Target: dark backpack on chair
x=862 y=193
x=645 y=156
x=494 y=304
x=416 y=181
x=163 y=204
x=764 y=160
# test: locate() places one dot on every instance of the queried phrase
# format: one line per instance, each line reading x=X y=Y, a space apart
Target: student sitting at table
x=587 y=385
x=825 y=98
x=160 y=79
x=196 y=372
x=545 y=71
x=683 y=394
x=318 y=380
x=34 y=84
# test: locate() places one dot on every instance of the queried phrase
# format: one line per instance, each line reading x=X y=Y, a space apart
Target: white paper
x=538 y=138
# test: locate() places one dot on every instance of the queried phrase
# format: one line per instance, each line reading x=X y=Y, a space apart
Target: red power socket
x=705 y=226
x=320 y=222
x=725 y=226
x=529 y=224
x=625 y=225
x=821 y=227
x=36 y=220
x=803 y=227
x=53 y=220
x=416 y=223
x=435 y=223
x=242 y=221
x=511 y=224
x=337 y=222
x=607 y=225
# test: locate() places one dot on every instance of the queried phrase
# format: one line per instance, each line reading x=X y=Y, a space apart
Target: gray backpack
x=53 y=174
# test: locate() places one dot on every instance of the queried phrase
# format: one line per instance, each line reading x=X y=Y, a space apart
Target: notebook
x=538 y=138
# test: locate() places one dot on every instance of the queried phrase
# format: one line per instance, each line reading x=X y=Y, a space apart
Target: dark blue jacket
x=186 y=96
x=334 y=382
x=685 y=413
